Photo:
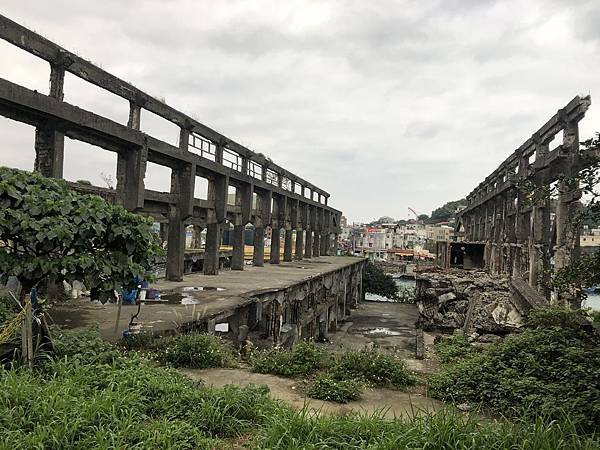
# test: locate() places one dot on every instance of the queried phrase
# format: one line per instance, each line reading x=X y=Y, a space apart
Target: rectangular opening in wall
x=272 y=177
x=298 y=188
x=466 y=256
x=92 y=98
x=286 y=183
x=201 y=188
x=556 y=141
x=307 y=193
x=255 y=170
x=23 y=68
x=231 y=194
x=88 y=164
x=531 y=159
x=158 y=178
x=254 y=200
x=201 y=146
x=159 y=128
x=18 y=144
x=232 y=159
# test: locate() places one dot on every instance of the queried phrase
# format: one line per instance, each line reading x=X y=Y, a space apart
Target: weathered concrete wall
x=308 y=310
x=523 y=240
x=284 y=201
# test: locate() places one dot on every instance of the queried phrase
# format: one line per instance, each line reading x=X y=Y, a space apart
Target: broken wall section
x=471 y=301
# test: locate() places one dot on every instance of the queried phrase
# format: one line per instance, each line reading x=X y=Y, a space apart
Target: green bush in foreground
x=372 y=367
x=327 y=388
x=304 y=359
x=195 y=351
x=446 y=429
x=549 y=369
x=454 y=348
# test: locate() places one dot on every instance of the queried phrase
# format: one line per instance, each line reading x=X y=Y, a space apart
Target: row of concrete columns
x=519 y=236
x=288 y=213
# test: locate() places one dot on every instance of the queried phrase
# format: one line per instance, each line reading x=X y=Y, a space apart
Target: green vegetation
x=446 y=429
x=372 y=367
x=49 y=231
x=93 y=396
x=447 y=212
x=547 y=370
x=406 y=294
x=340 y=378
x=7 y=309
x=325 y=387
x=197 y=351
x=303 y=360
x=376 y=281
x=454 y=348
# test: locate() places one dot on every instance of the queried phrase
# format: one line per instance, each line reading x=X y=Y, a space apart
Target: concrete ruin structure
x=266 y=195
x=505 y=232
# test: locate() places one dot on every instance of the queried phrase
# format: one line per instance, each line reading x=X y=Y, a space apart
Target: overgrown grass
x=324 y=387
x=197 y=351
x=194 y=351
x=98 y=398
x=551 y=368
x=304 y=359
x=446 y=429
x=372 y=367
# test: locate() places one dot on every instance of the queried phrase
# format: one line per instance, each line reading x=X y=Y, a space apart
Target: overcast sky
x=384 y=104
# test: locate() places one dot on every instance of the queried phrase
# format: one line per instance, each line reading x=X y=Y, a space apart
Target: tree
x=48 y=231
x=423 y=217
x=447 y=211
x=376 y=281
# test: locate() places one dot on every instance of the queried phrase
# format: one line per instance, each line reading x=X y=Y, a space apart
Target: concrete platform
x=200 y=298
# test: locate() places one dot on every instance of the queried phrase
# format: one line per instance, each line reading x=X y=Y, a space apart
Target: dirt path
x=394 y=403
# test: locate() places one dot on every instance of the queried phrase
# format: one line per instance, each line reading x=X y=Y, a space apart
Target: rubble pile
x=473 y=301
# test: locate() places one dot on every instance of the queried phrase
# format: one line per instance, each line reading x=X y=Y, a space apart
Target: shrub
x=372 y=367
x=83 y=344
x=8 y=309
x=549 y=369
x=376 y=281
x=324 y=387
x=303 y=359
x=196 y=351
x=454 y=348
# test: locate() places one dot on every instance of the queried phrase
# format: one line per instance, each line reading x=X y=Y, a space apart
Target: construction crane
x=415 y=213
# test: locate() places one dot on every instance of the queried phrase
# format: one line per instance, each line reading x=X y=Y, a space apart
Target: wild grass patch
x=325 y=387
x=304 y=359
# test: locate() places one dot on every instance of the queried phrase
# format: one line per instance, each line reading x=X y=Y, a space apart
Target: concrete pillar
x=237 y=258
x=287 y=246
x=182 y=185
x=309 y=244
x=211 y=249
x=175 y=245
x=317 y=244
x=197 y=237
x=325 y=243
x=258 y=258
x=50 y=143
x=275 y=245
x=299 y=244
x=163 y=232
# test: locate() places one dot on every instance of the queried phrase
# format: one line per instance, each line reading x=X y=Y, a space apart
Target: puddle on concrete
x=382 y=331
x=201 y=288
x=185 y=296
